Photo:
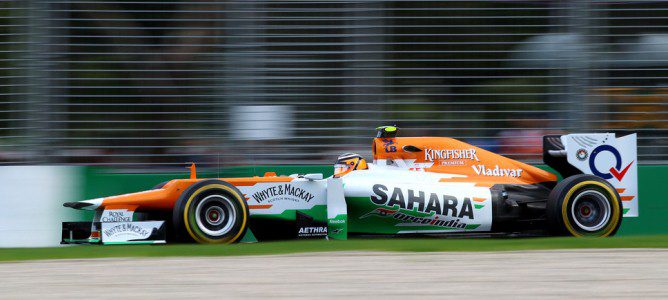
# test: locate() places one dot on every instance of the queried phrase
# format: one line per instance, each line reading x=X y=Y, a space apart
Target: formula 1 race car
x=415 y=185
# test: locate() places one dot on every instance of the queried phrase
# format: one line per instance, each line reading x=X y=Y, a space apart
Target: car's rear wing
x=606 y=155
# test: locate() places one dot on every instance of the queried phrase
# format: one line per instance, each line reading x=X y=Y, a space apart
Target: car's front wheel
x=211 y=211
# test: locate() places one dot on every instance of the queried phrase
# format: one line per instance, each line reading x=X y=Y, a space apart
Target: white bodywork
x=401 y=183
x=275 y=197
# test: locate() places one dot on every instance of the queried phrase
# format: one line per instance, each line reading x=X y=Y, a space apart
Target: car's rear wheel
x=584 y=205
x=211 y=211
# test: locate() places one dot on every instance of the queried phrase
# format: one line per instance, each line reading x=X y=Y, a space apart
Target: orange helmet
x=348 y=162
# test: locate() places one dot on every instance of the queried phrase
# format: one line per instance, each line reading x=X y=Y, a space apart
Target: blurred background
x=153 y=84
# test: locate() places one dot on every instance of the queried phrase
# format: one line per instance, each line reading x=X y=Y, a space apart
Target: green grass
x=268 y=248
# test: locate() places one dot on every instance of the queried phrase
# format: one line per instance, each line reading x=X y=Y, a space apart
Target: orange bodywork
x=165 y=197
x=447 y=155
x=431 y=154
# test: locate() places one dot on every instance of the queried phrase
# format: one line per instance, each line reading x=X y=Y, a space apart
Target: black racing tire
x=160 y=185
x=210 y=212
x=584 y=206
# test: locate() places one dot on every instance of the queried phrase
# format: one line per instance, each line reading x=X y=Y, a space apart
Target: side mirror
x=410 y=148
x=313 y=176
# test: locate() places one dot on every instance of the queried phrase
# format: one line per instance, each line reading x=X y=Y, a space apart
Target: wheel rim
x=591 y=210
x=215 y=215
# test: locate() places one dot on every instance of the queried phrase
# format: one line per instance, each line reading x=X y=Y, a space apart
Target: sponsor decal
x=381 y=212
x=496 y=171
x=616 y=171
x=581 y=154
x=308 y=227
x=612 y=158
x=337 y=227
x=312 y=231
x=452 y=163
x=446 y=154
x=420 y=201
x=409 y=220
x=390 y=145
x=281 y=192
x=133 y=232
x=127 y=229
x=116 y=215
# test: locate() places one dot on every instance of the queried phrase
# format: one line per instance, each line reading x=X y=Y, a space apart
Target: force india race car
x=415 y=185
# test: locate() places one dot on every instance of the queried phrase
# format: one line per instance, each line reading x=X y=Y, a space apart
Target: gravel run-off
x=613 y=273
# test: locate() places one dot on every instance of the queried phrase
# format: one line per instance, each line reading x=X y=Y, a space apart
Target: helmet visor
x=342 y=168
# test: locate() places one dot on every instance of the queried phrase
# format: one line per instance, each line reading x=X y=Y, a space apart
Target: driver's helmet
x=349 y=162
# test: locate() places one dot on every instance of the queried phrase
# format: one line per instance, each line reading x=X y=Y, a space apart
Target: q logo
x=615 y=171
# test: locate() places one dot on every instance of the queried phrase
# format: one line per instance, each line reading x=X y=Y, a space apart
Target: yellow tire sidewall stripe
x=201 y=238
x=614 y=206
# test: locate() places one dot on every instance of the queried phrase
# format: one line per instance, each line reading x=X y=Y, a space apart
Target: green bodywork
x=362 y=218
x=318 y=213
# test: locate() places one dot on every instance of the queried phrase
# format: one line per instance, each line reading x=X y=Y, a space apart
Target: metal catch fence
x=157 y=83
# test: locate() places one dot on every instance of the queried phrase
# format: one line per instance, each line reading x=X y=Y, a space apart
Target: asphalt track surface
x=389 y=275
